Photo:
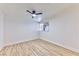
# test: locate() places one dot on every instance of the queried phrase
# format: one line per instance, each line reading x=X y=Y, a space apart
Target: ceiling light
x=33 y=15
x=37 y=18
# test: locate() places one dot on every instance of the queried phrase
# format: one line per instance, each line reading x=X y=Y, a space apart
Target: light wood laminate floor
x=36 y=47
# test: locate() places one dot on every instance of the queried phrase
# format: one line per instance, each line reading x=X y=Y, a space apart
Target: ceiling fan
x=43 y=25
x=34 y=14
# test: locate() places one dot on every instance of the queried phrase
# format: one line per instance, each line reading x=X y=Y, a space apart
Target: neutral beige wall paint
x=64 y=29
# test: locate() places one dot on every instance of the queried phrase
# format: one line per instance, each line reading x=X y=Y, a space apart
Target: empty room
x=39 y=29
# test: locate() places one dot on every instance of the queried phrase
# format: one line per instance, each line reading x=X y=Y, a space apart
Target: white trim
x=20 y=41
x=70 y=48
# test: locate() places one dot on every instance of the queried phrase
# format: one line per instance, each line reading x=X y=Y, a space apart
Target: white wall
x=64 y=29
x=19 y=31
x=18 y=26
x=1 y=30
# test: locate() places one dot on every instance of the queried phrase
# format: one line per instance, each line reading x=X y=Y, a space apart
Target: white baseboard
x=70 y=48
x=17 y=42
x=20 y=41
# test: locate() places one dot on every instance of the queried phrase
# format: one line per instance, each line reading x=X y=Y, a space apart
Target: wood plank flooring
x=36 y=47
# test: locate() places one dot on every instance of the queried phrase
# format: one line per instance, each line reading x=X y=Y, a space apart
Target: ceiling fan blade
x=38 y=13
x=29 y=11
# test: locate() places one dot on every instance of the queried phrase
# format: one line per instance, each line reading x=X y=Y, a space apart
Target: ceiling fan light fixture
x=37 y=18
x=34 y=15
